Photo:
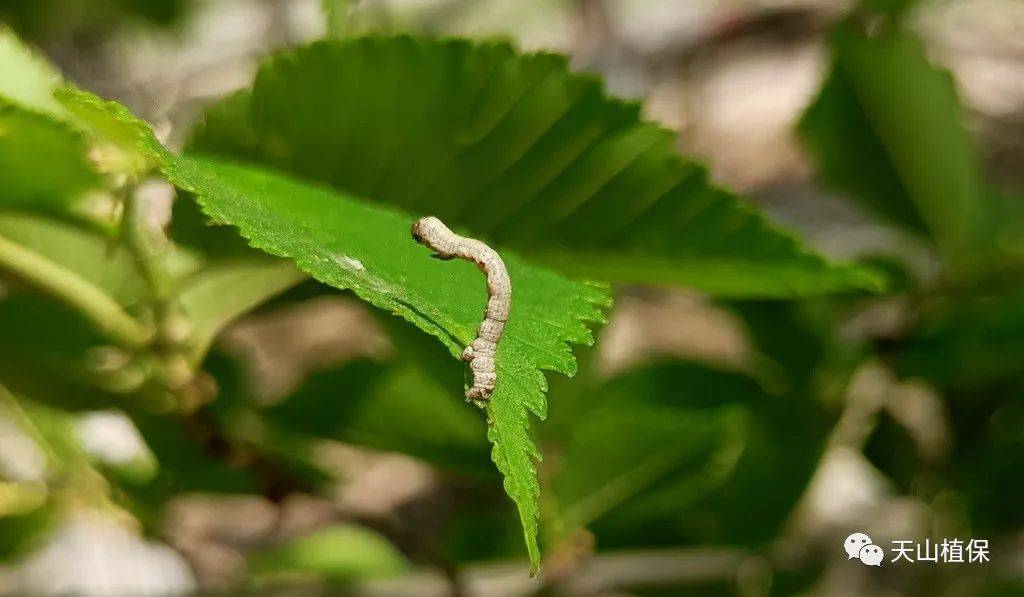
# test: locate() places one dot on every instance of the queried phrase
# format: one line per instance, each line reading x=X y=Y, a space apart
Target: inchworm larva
x=480 y=353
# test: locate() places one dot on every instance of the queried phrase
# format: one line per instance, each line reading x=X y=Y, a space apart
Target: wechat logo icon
x=859 y=546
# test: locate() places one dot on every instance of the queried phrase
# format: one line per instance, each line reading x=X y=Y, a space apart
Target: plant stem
x=177 y=375
x=140 y=244
x=140 y=248
x=76 y=291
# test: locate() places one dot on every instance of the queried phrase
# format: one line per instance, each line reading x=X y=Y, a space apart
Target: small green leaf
x=123 y=142
x=42 y=161
x=56 y=129
x=515 y=148
x=28 y=78
x=87 y=253
x=851 y=158
x=18 y=498
x=221 y=292
x=119 y=142
x=80 y=268
x=352 y=245
x=342 y=553
x=887 y=130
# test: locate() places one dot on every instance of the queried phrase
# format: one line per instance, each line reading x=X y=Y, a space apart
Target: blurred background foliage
x=48 y=20
x=748 y=405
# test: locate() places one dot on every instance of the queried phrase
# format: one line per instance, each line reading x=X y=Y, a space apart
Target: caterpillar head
x=427 y=228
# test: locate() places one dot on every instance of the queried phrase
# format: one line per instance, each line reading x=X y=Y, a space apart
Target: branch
x=75 y=291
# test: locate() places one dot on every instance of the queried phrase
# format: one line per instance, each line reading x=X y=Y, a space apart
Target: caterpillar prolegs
x=480 y=353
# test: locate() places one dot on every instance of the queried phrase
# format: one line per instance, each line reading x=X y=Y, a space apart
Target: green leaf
x=851 y=158
x=341 y=553
x=967 y=344
x=809 y=368
x=678 y=452
x=44 y=351
x=62 y=352
x=28 y=79
x=21 y=534
x=123 y=142
x=183 y=464
x=517 y=149
x=87 y=253
x=42 y=161
x=351 y=245
x=990 y=459
x=383 y=406
x=53 y=430
x=32 y=509
x=76 y=123
x=215 y=296
x=119 y=141
x=737 y=463
x=78 y=266
x=886 y=129
x=69 y=19
x=639 y=441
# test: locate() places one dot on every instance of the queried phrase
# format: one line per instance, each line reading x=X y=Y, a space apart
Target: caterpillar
x=480 y=353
